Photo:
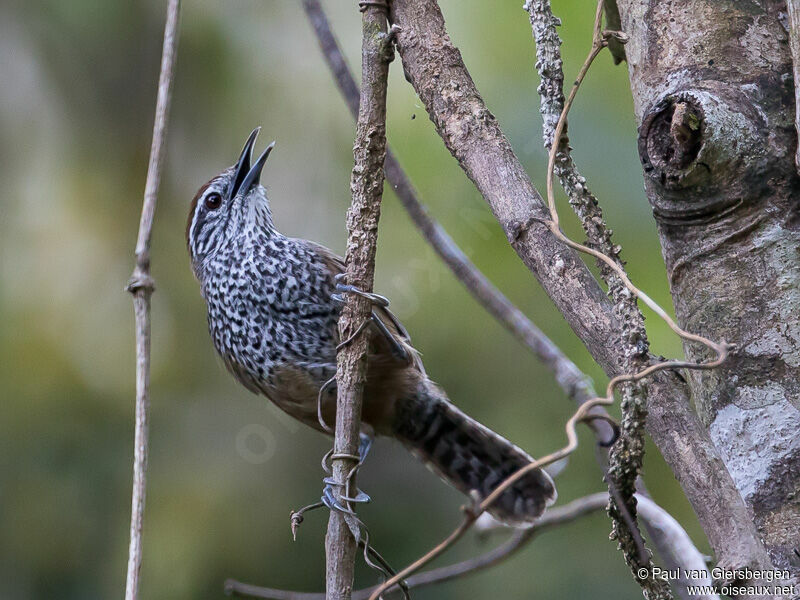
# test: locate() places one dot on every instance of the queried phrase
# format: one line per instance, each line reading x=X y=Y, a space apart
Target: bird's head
x=229 y=206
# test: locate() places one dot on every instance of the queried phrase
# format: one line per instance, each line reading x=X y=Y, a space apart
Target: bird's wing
x=335 y=264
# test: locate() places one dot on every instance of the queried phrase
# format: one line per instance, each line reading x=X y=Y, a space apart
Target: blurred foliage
x=76 y=108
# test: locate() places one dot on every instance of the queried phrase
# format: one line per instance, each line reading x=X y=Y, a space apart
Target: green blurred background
x=76 y=108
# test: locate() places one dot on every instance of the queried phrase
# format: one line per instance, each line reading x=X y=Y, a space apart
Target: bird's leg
x=398 y=350
x=364 y=445
x=376 y=299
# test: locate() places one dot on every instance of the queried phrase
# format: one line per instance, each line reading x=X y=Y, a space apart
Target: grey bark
x=793 y=10
x=712 y=89
x=435 y=68
x=366 y=185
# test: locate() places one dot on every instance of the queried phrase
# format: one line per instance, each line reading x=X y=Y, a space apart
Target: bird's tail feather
x=469 y=456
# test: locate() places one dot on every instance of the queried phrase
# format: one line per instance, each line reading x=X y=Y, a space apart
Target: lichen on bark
x=723 y=186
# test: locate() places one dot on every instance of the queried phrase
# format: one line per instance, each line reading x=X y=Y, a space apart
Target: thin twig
x=572 y=381
x=626 y=456
x=366 y=185
x=141 y=286
x=689 y=558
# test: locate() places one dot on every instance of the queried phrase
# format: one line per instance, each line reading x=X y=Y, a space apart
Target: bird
x=273 y=304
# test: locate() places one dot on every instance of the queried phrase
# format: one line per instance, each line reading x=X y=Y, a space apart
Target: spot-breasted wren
x=272 y=315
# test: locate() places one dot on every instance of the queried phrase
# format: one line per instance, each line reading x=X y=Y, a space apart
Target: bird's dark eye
x=213 y=201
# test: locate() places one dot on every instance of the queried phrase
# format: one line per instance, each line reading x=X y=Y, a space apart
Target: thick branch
x=362 y=222
x=141 y=286
x=435 y=69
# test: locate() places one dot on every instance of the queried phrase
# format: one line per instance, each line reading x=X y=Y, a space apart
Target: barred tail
x=469 y=456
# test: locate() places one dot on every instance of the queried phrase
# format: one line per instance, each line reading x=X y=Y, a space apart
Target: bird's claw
x=329 y=498
x=344 y=288
x=396 y=347
x=361 y=498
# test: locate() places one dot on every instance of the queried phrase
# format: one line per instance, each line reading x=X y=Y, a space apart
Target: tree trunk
x=713 y=93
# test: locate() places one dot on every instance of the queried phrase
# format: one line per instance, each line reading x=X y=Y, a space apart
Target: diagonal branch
x=470 y=132
x=141 y=286
x=576 y=384
x=366 y=185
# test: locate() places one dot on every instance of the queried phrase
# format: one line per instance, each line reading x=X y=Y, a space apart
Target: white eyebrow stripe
x=211 y=186
x=194 y=224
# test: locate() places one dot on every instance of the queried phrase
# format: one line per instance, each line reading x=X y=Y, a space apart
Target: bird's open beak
x=243 y=165
x=254 y=174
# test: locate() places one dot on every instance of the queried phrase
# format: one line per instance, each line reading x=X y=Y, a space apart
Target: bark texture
x=435 y=68
x=712 y=89
x=793 y=10
x=366 y=186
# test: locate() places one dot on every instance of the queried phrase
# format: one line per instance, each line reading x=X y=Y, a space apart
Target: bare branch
x=141 y=286
x=686 y=554
x=366 y=186
x=573 y=381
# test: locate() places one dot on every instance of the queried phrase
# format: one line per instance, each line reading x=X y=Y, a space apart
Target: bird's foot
x=398 y=349
x=344 y=288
